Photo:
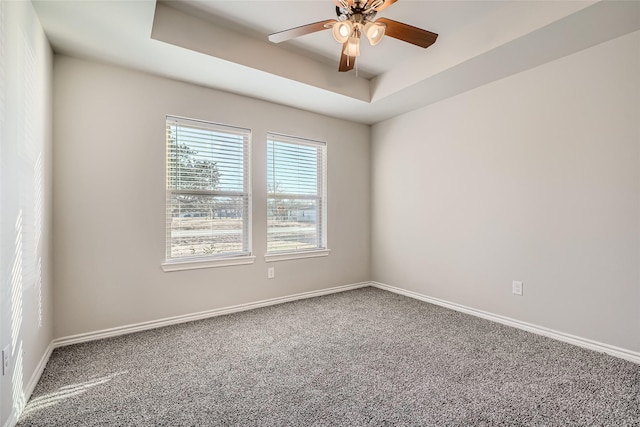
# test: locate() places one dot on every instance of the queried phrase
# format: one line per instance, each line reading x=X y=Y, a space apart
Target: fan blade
x=408 y=33
x=346 y=62
x=291 y=33
x=384 y=5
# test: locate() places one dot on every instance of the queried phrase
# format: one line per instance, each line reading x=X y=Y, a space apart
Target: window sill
x=168 y=266
x=285 y=256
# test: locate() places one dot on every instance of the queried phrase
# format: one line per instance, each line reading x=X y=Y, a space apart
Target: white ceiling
x=224 y=45
x=267 y=16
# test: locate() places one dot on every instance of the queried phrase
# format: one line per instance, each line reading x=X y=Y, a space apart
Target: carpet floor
x=362 y=357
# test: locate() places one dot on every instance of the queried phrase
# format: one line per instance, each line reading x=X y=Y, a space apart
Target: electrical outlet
x=516 y=287
x=271 y=273
x=6 y=355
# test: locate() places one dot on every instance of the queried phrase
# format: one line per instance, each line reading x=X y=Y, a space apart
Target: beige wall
x=109 y=214
x=534 y=178
x=25 y=202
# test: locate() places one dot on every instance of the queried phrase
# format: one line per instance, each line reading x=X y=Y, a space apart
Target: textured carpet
x=363 y=357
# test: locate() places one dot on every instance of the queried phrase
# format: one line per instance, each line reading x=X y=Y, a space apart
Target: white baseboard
x=621 y=353
x=31 y=385
x=128 y=329
x=33 y=381
x=12 y=420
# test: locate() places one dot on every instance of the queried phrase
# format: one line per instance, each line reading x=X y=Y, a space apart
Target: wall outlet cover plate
x=516 y=287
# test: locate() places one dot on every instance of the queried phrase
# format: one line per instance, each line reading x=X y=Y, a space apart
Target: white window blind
x=296 y=194
x=208 y=190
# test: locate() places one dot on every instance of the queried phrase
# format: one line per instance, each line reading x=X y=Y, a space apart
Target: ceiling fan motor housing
x=356 y=13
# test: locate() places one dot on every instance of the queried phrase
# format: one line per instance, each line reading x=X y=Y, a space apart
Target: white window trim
x=306 y=253
x=286 y=256
x=194 y=264
x=180 y=264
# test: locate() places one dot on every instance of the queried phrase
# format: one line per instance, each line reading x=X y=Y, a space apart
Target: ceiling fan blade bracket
x=384 y=4
x=343 y=14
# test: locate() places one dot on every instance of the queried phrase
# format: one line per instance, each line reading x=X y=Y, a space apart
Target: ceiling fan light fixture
x=342 y=30
x=353 y=47
x=374 y=32
x=355 y=18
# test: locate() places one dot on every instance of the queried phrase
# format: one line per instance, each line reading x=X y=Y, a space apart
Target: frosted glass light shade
x=374 y=32
x=353 y=47
x=341 y=31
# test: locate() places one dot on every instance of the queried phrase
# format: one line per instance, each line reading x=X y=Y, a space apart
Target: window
x=296 y=197
x=208 y=194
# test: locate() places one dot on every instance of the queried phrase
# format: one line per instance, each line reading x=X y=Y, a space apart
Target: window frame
x=321 y=197
x=245 y=256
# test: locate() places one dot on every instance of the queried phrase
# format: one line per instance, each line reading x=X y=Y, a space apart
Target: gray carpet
x=363 y=357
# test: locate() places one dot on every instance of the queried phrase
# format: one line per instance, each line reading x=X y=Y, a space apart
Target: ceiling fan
x=356 y=17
